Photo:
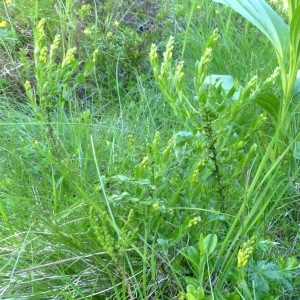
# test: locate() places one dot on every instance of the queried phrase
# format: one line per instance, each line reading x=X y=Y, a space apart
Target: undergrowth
x=139 y=159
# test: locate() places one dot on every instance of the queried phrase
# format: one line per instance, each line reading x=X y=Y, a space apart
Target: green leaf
x=292 y=4
x=295 y=34
x=210 y=242
x=270 y=103
x=261 y=15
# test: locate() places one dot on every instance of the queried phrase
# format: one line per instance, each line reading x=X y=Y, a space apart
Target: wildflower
x=40 y=28
x=194 y=221
x=156 y=138
x=95 y=53
x=169 y=48
x=179 y=75
x=153 y=55
x=206 y=56
x=109 y=34
x=87 y=31
x=116 y=23
x=155 y=206
x=85 y=8
x=27 y=85
x=274 y=76
x=131 y=140
x=181 y=296
x=144 y=161
x=43 y=55
x=70 y=56
x=245 y=252
x=8 y=1
x=55 y=43
x=3 y=24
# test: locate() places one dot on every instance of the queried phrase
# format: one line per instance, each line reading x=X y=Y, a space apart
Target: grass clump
x=132 y=171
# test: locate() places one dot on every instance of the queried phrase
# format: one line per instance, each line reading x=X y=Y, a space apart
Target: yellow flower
x=55 y=43
x=3 y=23
x=8 y=1
x=245 y=252
x=109 y=34
x=87 y=31
x=95 y=54
x=70 y=56
x=116 y=23
x=43 y=55
x=144 y=162
x=155 y=206
x=194 y=221
x=27 y=85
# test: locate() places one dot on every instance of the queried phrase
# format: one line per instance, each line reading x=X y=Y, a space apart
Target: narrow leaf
x=295 y=34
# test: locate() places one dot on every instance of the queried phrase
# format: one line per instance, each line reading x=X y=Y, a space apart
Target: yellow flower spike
x=131 y=140
x=245 y=252
x=144 y=161
x=194 y=221
x=87 y=31
x=155 y=206
x=56 y=42
x=70 y=56
x=43 y=55
x=27 y=85
x=95 y=54
x=3 y=24
x=40 y=28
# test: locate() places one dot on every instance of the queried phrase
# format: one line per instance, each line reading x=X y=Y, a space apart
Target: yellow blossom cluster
x=40 y=28
x=95 y=53
x=43 y=55
x=87 y=31
x=56 y=42
x=27 y=85
x=70 y=56
x=194 y=221
x=245 y=252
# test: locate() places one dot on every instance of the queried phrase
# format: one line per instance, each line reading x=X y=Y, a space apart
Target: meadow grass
x=122 y=177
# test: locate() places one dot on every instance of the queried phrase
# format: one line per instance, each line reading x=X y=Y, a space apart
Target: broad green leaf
x=261 y=15
x=210 y=242
x=270 y=103
x=295 y=34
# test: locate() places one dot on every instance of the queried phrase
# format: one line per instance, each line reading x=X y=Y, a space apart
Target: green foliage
x=114 y=189
x=286 y=41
